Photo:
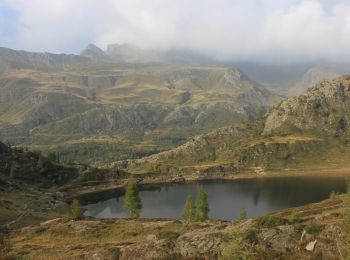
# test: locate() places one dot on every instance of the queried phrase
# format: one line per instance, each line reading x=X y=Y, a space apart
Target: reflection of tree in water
x=107 y=208
x=257 y=195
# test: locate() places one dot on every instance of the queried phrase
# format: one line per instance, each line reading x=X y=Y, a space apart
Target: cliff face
x=324 y=108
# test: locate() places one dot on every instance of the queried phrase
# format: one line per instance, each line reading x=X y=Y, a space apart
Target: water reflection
x=226 y=198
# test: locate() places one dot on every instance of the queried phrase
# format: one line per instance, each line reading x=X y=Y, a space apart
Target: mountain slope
x=312 y=77
x=305 y=132
x=324 y=108
x=94 y=110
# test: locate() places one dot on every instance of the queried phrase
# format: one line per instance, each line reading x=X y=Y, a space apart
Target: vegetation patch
x=269 y=221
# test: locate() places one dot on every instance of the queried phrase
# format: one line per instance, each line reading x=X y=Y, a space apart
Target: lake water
x=226 y=197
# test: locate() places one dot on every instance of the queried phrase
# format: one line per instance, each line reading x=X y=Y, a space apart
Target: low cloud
x=288 y=30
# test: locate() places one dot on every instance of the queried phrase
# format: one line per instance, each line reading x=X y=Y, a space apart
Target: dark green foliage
x=243 y=214
x=41 y=161
x=313 y=229
x=132 y=201
x=251 y=236
x=13 y=172
x=168 y=235
x=76 y=212
x=341 y=125
x=189 y=210
x=202 y=206
x=269 y=221
x=54 y=157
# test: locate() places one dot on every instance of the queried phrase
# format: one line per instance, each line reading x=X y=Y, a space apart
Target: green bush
x=168 y=235
x=243 y=214
x=269 y=221
x=251 y=236
x=313 y=229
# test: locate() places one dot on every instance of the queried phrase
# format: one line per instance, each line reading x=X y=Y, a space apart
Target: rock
x=200 y=244
x=242 y=227
x=267 y=234
x=311 y=246
x=281 y=243
x=302 y=236
x=60 y=195
x=50 y=222
x=287 y=229
x=334 y=232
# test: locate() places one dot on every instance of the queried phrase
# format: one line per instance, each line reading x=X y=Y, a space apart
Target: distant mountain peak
x=92 y=51
x=324 y=107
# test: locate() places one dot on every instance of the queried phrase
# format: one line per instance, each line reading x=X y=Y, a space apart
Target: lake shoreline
x=121 y=184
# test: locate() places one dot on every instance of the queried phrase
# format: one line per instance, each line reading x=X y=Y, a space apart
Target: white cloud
x=235 y=29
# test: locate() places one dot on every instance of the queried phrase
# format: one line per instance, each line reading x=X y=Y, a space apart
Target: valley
x=75 y=127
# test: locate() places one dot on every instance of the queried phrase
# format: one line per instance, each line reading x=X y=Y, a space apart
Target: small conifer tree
x=188 y=212
x=202 y=206
x=76 y=211
x=13 y=172
x=243 y=214
x=40 y=162
x=132 y=201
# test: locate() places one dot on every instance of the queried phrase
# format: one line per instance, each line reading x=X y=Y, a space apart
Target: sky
x=288 y=30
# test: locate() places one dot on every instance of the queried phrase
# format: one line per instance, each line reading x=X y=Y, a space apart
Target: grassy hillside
x=306 y=132
x=100 y=111
x=32 y=185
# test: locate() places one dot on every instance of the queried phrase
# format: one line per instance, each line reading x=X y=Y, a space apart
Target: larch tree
x=188 y=212
x=202 y=206
x=132 y=201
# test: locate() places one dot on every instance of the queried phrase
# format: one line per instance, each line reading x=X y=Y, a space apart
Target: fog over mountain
x=268 y=31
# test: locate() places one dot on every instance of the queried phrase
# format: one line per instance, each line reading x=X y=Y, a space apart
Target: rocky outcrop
x=323 y=108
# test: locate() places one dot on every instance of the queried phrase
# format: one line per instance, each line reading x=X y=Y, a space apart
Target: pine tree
x=202 y=206
x=188 y=212
x=243 y=214
x=132 y=201
x=13 y=172
x=40 y=162
x=76 y=212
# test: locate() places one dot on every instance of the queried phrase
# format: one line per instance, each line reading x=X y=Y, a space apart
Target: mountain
x=291 y=79
x=322 y=109
x=17 y=60
x=312 y=77
x=95 y=110
x=302 y=133
x=92 y=51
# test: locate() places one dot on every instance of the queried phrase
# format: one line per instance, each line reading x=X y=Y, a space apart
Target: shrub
x=313 y=229
x=168 y=235
x=269 y=221
x=236 y=249
x=294 y=217
x=243 y=214
x=251 y=236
